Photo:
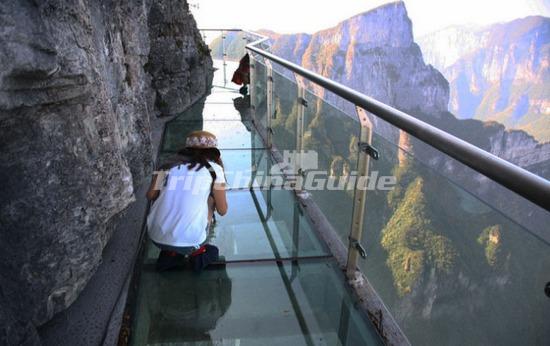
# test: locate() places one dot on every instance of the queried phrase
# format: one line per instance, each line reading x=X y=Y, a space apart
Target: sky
x=292 y=16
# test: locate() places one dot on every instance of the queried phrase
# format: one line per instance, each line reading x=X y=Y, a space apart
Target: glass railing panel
x=223 y=80
x=517 y=208
x=449 y=267
x=249 y=304
x=285 y=104
x=260 y=93
x=227 y=48
x=233 y=44
x=333 y=137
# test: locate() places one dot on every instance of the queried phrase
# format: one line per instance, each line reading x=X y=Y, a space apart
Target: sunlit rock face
x=499 y=72
x=76 y=110
x=374 y=53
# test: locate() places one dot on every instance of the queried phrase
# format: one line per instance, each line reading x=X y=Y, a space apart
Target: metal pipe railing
x=526 y=184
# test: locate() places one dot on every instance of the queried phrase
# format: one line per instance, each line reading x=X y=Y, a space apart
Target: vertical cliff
x=500 y=72
x=373 y=52
x=81 y=85
x=178 y=73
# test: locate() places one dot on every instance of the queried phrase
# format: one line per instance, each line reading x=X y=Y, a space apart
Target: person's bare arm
x=153 y=192
x=220 y=201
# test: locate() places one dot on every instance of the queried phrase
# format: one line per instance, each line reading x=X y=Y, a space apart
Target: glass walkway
x=279 y=284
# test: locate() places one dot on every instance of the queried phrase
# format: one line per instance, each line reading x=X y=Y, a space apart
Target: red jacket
x=242 y=74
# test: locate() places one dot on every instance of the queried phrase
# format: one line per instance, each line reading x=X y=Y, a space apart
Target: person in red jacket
x=242 y=74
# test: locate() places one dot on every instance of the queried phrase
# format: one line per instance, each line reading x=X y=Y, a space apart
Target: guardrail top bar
x=526 y=184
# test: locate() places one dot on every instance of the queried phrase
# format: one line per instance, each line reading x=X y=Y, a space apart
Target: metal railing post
x=270 y=110
x=223 y=59
x=355 y=248
x=302 y=104
x=252 y=89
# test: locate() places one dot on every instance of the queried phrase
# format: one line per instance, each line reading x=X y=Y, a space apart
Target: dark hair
x=194 y=157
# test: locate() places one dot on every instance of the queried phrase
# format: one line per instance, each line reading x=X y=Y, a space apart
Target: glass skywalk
x=279 y=285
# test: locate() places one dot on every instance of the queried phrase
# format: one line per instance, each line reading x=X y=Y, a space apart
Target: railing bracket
x=302 y=101
x=369 y=149
x=359 y=248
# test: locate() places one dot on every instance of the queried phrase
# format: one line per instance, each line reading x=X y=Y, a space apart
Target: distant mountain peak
x=498 y=72
x=388 y=24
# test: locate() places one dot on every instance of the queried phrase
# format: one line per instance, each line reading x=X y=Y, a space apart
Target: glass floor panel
x=253 y=299
x=239 y=167
x=220 y=111
x=224 y=95
x=230 y=68
x=230 y=134
x=244 y=234
x=304 y=303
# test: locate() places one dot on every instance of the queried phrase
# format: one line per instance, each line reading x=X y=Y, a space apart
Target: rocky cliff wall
x=500 y=72
x=81 y=85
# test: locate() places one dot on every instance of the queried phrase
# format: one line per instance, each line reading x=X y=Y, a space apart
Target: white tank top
x=179 y=216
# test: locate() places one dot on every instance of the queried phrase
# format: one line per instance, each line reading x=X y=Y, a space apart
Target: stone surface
x=179 y=75
x=77 y=105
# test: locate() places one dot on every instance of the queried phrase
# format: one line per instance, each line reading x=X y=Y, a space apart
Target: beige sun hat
x=201 y=140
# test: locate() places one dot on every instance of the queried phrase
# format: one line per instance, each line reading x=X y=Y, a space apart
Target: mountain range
x=499 y=72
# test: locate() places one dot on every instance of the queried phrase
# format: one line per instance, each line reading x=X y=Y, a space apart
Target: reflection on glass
x=178 y=307
x=250 y=304
x=285 y=98
x=249 y=232
x=438 y=255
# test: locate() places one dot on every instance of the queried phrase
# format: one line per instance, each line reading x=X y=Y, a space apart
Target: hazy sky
x=290 y=16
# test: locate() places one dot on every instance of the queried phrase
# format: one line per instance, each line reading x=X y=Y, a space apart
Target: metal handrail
x=526 y=184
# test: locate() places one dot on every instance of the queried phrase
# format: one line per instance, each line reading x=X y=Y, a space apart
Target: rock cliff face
x=79 y=82
x=374 y=53
x=179 y=76
x=500 y=72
